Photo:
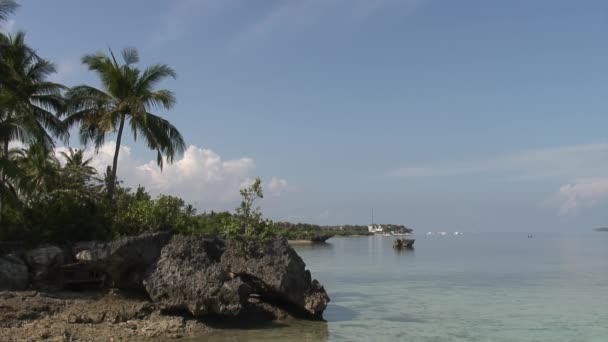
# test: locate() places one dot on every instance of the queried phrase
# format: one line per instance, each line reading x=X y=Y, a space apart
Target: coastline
x=89 y=316
x=300 y=242
x=152 y=286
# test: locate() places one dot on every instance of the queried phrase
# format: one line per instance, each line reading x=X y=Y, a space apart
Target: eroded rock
x=125 y=261
x=188 y=276
x=13 y=273
x=276 y=271
x=44 y=264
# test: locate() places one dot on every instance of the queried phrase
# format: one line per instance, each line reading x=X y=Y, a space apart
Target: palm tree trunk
x=115 y=161
x=3 y=179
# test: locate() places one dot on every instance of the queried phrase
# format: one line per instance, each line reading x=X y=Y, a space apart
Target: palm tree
x=77 y=173
x=7 y=7
x=40 y=169
x=27 y=100
x=75 y=159
x=128 y=96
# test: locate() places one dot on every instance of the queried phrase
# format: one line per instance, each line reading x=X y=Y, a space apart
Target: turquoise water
x=475 y=287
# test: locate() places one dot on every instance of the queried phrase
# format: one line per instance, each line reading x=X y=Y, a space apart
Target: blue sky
x=468 y=115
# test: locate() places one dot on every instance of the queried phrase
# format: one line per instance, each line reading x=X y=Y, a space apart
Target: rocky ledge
x=152 y=285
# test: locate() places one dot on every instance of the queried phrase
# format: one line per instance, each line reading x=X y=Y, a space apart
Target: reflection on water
x=313 y=246
x=339 y=313
x=288 y=330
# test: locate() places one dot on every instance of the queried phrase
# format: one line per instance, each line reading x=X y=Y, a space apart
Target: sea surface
x=474 y=287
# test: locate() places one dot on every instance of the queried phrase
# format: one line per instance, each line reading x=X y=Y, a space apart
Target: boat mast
x=372 y=217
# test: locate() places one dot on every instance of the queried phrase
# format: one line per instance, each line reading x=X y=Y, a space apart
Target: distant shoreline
x=601 y=229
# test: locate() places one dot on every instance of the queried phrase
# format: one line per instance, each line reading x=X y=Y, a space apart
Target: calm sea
x=474 y=287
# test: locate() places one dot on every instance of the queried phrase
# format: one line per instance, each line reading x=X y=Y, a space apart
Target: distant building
x=375 y=228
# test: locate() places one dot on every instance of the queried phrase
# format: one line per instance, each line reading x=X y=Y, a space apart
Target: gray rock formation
x=277 y=272
x=204 y=276
x=179 y=274
x=188 y=276
x=44 y=264
x=13 y=273
x=403 y=244
x=126 y=261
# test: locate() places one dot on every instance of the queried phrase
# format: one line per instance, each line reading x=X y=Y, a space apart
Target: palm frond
x=7 y=7
x=130 y=56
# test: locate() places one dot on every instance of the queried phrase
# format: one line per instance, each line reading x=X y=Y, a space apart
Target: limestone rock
x=278 y=272
x=125 y=261
x=188 y=276
x=13 y=273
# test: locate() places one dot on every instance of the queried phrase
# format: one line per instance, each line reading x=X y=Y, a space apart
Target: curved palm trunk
x=112 y=186
x=3 y=180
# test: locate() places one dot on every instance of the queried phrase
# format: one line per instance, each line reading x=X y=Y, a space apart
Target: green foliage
x=248 y=222
x=61 y=216
x=145 y=215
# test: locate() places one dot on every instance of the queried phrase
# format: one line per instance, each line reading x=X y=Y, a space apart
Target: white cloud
x=8 y=26
x=277 y=185
x=199 y=176
x=571 y=162
x=587 y=193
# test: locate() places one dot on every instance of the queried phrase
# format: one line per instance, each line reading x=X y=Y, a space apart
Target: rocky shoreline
x=151 y=286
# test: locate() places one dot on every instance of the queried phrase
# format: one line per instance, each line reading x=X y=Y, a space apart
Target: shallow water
x=475 y=287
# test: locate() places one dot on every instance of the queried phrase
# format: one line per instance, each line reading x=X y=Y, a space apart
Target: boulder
x=188 y=276
x=206 y=276
x=398 y=244
x=276 y=271
x=13 y=273
x=126 y=261
x=44 y=264
x=403 y=243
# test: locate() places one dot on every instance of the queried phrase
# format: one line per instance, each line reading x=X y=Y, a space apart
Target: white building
x=375 y=228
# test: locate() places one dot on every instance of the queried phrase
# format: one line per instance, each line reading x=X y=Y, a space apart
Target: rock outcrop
x=13 y=273
x=403 y=243
x=188 y=276
x=124 y=262
x=205 y=276
x=201 y=277
x=277 y=272
x=44 y=264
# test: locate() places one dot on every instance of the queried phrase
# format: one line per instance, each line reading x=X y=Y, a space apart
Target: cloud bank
x=587 y=193
x=200 y=176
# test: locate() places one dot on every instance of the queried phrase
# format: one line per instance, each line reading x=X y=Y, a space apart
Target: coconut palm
x=77 y=173
x=7 y=7
x=40 y=169
x=74 y=158
x=127 y=97
x=28 y=101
